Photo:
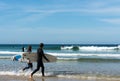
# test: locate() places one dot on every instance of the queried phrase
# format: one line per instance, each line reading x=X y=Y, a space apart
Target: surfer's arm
x=45 y=57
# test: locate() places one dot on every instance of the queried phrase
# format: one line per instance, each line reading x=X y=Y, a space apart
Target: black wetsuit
x=30 y=65
x=40 y=56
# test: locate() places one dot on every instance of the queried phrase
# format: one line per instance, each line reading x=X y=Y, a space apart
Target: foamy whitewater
x=73 y=60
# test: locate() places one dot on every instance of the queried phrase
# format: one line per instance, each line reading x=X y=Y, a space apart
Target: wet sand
x=25 y=78
x=53 y=78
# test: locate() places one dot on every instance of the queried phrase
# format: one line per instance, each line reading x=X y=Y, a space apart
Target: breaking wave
x=70 y=56
x=9 y=52
x=90 y=48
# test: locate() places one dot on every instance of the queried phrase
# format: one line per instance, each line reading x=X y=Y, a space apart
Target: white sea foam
x=85 y=55
x=96 y=48
x=70 y=76
x=91 y=48
x=8 y=73
x=67 y=47
x=73 y=55
x=21 y=73
x=90 y=77
x=15 y=73
x=9 y=52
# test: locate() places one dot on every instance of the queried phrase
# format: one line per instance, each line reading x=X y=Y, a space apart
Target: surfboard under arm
x=33 y=57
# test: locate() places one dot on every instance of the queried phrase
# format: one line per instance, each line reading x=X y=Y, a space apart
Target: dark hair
x=41 y=44
x=29 y=48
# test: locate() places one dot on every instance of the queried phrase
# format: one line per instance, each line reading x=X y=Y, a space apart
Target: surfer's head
x=41 y=45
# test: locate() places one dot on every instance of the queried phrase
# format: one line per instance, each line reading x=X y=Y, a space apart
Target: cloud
x=109 y=10
x=107 y=7
x=54 y=10
x=94 y=7
x=61 y=7
x=112 y=21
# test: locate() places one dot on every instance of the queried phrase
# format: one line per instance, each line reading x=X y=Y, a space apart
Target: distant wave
x=96 y=48
x=89 y=59
x=74 y=56
x=90 y=48
x=9 y=52
x=66 y=47
x=82 y=54
x=5 y=57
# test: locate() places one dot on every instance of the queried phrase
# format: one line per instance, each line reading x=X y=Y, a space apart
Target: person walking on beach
x=40 y=56
x=30 y=65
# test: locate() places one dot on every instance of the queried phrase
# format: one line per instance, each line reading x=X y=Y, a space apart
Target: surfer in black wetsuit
x=40 y=56
x=30 y=65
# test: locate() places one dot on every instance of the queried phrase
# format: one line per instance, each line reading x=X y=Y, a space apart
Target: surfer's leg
x=31 y=66
x=25 y=68
x=38 y=67
x=42 y=69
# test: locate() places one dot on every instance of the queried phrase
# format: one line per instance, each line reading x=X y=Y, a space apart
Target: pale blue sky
x=60 y=21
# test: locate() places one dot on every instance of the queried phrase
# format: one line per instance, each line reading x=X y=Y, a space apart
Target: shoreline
x=59 y=78
x=35 y=78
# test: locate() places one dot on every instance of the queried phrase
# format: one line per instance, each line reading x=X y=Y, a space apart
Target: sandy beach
x=24 y=78
x=54 y=78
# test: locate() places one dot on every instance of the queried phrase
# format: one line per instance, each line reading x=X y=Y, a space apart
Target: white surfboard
x=33 y=57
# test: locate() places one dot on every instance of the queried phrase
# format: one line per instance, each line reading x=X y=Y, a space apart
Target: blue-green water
x=73 y=59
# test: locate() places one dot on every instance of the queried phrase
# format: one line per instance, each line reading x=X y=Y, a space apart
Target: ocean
x=73 y=60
